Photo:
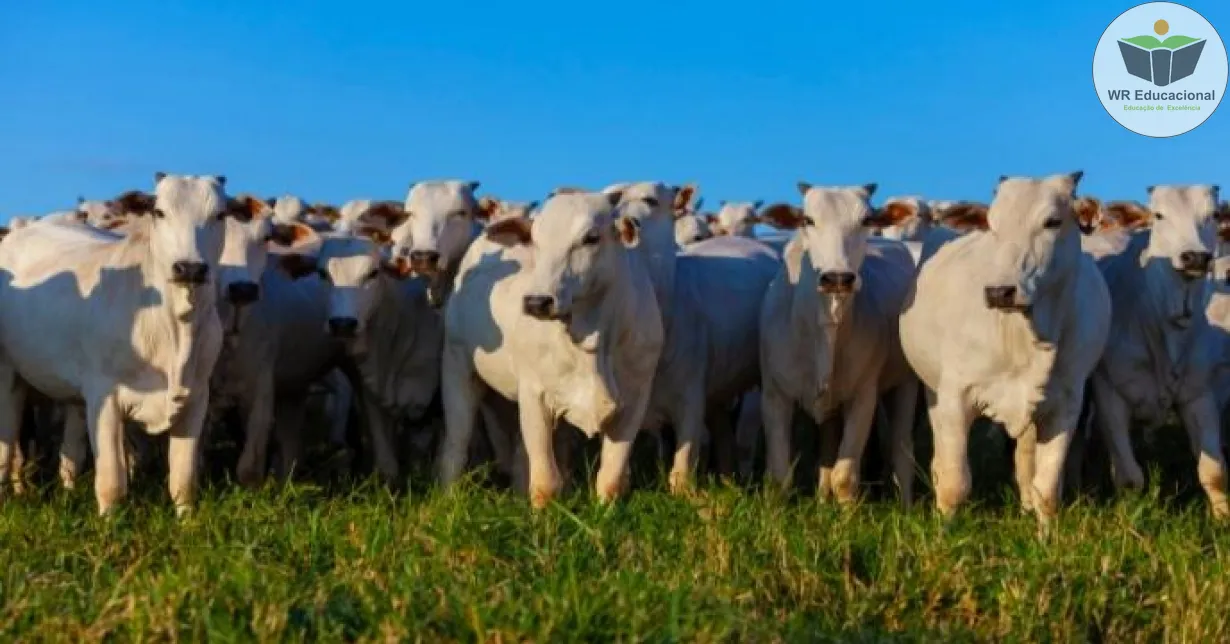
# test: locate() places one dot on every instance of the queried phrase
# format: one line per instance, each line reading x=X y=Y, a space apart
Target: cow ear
x=133 y=202
x=614 y=196
x=296 y=265
x=1129 y=215
x=245 y=208
x=892 y=214
x=220 y=180
x=531 y=207
x=869 y=189
x=4 y=232
x=629 y=231
x=388 y=214
x=783 y=216
x=272 y=202
x=683 y=197
x=158 y=177
x=487 y=208
x=965 y=217
x=803 y=187
x=473 y=186
x=1149 y=190
x=1088 y=213
x=291 y=235
x=510 y=232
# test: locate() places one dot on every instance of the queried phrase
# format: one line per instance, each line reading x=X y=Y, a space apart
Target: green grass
x=303 y=563
x=1151 y=42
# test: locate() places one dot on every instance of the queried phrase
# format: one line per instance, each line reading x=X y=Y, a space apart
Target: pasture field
x=356 y=562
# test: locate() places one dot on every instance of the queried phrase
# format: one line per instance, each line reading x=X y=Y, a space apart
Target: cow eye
x=1052 y=223
x=808 y=222
x=652 y=201
x=592 y=237
x=1158 y=216
x=157 y=213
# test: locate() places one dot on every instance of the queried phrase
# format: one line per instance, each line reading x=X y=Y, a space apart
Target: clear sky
x=343 y=99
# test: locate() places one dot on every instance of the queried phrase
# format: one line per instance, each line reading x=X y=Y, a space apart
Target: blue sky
x=337 y=100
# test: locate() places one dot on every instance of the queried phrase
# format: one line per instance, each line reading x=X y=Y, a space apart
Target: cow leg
x=379 y=433
x=1073 y=469
x=721 y=439
x=778 y=411
x=1200 y=418
x=537 y=431
x=499 y=436
x=259 y=425
x=74 y=447
x=183 y=456
x=339 y=413
x=1024 y=454
x=1113 y=419
x=614 y=477
x=288 y=416
x=688 y=417
x=460 y=394
x=828 y=441
x=860 y=412
x=905 y=399
x=106 y=430
x=747 y=434
x=12 y=399
x=1052 y=442
x=950 y=423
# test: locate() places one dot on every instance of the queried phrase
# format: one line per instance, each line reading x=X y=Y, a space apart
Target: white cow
x=1009 y=323
x=386 y=324
x=126 y=325
x=710 y=356
x=1163 y=351
x=442 y=218
x=829 y=337
x=691 y=228
x=568 y=328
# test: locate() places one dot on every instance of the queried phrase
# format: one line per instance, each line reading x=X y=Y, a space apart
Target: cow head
x=355 y=264
x=1184 y=229
x=1036 y=225
x=653 y=205
x=832 y=226
x=578 y=240
x=438 y=225
x=252 y=233
x=903 y=219
x=97 y=214
x=736 y=218
x=691 y=228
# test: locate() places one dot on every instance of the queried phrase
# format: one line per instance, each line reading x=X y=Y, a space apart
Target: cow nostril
x=1195 y=260
x=539 y=306
x=837 y=281
x=424 y=256
x=343 y=327
x=189 y=272
x=243 y=292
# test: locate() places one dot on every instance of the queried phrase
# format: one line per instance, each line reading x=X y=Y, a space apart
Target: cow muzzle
x=425 y=262
x=189 y=273
x=837 y=282
x=542 y=307
x=344 y=328
x=242 y=293
x=1194 y=264
x=1004 y=298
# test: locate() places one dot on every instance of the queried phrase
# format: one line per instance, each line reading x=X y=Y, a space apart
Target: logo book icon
x=1161 y=62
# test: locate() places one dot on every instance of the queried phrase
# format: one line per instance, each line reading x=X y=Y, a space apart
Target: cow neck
x=186 y=333
x=659 y=249
x=821 y=322
x=391 y=336
x=1168 y=343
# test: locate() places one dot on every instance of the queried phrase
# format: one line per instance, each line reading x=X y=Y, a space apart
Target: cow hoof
x=1221 y=511
x=183 y=511
x=681 y=484
x=541 y=498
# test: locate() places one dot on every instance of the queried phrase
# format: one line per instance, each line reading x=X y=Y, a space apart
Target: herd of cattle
x=621 y=311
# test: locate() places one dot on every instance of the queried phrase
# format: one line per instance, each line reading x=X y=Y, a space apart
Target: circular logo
x=1160 y=69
